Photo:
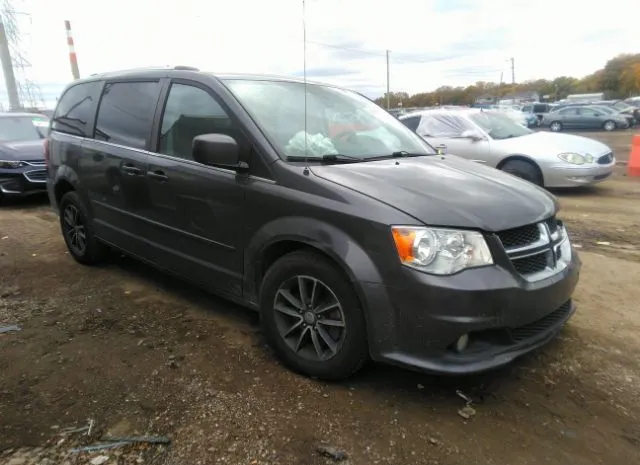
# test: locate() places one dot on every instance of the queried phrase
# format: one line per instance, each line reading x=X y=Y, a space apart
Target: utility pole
x=513 y=70
x=388 y=87
x=7 y=70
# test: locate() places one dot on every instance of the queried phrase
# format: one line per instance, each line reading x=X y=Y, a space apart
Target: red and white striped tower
x=72 y=52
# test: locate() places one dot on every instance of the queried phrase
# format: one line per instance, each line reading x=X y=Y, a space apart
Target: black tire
x=523 y=169
x=351 y=346
x=555 y=126
x=609 y=125
x=93 y=252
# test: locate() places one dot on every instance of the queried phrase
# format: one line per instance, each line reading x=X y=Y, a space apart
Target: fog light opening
x=462 y=343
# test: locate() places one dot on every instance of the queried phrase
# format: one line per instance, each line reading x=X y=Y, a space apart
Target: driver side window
x=190 y=112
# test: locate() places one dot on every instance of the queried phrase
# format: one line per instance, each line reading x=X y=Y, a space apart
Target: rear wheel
x=312 y=318
x=609 y=125
x=78 y=232
x=556 y=126
x=523 y=169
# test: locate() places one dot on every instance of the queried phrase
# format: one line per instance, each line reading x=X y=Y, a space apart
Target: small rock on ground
x=332 y=452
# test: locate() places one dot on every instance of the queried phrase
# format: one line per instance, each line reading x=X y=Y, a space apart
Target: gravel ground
x=140 y=353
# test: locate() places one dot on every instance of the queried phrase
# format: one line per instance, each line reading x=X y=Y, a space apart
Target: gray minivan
x=311 y=204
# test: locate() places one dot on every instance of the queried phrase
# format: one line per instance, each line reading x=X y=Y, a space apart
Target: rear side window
x=74 y=112
x=568 y=111
x=126 y=112
x=412 y=122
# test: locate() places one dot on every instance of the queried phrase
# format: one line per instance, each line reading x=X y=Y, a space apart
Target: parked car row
x=586 y=117
x=355 y=234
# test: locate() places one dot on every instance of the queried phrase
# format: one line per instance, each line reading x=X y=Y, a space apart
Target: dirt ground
x=141 y=353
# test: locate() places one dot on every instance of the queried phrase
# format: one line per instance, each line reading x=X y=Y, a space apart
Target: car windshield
x=622 y=106
x=338 y=121
x=22 y=128
x=499 y=126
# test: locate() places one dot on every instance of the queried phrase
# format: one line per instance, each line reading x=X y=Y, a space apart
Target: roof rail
x=186 y=68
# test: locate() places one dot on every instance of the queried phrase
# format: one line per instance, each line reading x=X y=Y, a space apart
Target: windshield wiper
x=398 y=154
x=404 y=153
x=330 y=158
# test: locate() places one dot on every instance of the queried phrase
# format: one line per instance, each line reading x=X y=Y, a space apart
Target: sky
x=430 y=42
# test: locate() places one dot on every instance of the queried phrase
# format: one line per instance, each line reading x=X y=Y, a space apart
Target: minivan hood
x=550 y=144
x=22 y=150
x=446 y=191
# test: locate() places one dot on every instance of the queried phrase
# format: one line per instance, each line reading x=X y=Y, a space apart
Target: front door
x=196 y=215
x=569 y=117
x=446 y=131
x=114 y=164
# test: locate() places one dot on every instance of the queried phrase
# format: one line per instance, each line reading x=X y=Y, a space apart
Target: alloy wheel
x=309 y=318
x=609 y=126
x=74 y=230
x=555 y=127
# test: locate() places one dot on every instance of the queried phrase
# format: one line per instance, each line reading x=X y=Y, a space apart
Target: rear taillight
x=46 y=151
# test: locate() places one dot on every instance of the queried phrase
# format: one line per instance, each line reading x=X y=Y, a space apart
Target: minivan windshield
x=499 y=126
x=338 y=122
x=22 y=128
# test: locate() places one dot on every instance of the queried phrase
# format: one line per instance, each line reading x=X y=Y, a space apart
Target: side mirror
x=473 y=135
x=441 y=149
x=218 y=150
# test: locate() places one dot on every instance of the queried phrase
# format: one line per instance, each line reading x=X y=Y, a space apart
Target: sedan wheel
x=609 y=125
x=556 y=126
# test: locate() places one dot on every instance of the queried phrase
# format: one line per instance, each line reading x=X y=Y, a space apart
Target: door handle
x=158 y=175
x=131 y=170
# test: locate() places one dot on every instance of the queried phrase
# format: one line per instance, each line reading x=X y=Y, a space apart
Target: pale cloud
x=431 y=42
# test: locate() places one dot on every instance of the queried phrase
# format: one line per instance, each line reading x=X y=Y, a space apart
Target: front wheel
x=609 y=125
x=523 y=169
x=312 y=317
x=556 y=126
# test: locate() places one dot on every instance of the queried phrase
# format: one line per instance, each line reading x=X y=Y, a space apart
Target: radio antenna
x=304 y=74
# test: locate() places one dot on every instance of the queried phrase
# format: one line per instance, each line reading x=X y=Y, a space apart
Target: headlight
x=440 y=251
x=10 y=164
x=576 y=158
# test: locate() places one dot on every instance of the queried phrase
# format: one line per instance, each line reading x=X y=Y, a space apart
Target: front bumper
x=23 y=181
x=565 y=175
x=504 y=316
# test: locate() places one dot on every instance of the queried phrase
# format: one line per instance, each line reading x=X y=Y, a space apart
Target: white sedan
x=491 y=137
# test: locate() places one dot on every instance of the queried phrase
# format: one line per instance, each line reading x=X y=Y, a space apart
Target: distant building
x=485 y=99
x=519 y=98
x=595 y=97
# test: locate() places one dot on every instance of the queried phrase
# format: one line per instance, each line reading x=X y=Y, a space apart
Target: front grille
x=531 y=264
x=521 y=236
x=605 y=159
x=36 y=175
x=542 y=325
x=534 y=249
x=34 y=162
